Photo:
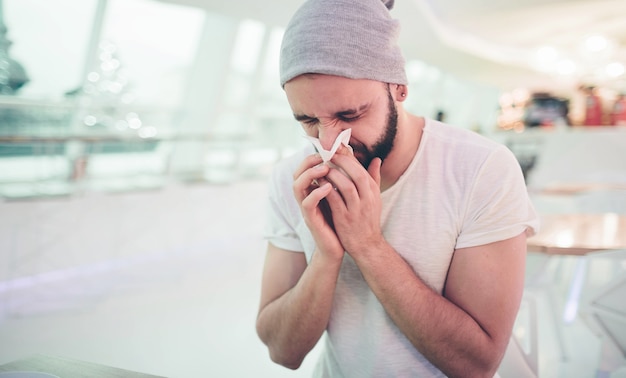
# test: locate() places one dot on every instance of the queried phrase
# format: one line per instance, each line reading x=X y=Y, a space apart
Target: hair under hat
x=356 y=39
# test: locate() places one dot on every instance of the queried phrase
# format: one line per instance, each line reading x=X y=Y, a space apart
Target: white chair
x=605 y=313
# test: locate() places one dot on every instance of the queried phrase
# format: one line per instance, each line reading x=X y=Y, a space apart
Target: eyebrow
x=342 y=113
x=301 y=117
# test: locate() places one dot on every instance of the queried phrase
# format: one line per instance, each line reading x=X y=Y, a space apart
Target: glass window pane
x=49 y=42
x=248 y=46
x=156 y=44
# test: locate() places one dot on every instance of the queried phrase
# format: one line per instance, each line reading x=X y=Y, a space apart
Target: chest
x=422 y=224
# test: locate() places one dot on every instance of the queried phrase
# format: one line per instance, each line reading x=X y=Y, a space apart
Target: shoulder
x=464 y=148
x=288 y=165
x=458 y=136
x=282 y=174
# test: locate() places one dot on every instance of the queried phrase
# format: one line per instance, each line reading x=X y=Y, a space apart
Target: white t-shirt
x=460 y=190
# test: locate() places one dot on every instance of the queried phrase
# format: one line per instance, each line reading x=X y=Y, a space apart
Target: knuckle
x=307 y=205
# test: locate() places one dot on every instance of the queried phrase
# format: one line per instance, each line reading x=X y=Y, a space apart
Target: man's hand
x=356 y=204
x=311 y=189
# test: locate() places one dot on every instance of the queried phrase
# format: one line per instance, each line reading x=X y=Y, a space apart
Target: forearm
x=292 y=324
x=445 y=334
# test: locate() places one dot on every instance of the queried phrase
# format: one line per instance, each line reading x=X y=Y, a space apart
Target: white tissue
x=342 y=138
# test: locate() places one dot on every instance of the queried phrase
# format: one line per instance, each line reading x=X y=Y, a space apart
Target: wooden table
x=574 y=188
x=579 y=234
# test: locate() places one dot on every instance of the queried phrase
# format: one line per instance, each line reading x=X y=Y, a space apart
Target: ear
x=400 y=92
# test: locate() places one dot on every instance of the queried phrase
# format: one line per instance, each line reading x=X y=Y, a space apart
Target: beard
x=384 y=144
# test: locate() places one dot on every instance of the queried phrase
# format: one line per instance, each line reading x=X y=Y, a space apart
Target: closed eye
x=349 y=118
x=349 y=115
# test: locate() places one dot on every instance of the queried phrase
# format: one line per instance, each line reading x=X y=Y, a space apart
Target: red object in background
x=593 y=110
x=618 y=113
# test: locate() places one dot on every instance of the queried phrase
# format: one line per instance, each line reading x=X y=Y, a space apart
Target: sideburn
x=384 y=145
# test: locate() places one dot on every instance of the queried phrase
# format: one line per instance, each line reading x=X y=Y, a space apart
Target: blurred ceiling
x=541 y=45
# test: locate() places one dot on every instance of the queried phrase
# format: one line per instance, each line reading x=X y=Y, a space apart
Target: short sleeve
x=282 y=211
x=498 y=205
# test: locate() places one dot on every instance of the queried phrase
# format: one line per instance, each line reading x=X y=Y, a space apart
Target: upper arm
x=487 y=282
x=281 y=272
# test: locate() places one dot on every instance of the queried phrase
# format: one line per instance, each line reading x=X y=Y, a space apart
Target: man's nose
x=328 y=134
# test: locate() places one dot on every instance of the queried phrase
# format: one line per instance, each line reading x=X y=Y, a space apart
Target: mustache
x=359 y=148
x=363 y=154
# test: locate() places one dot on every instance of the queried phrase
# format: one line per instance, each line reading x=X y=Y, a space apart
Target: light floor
x=190 y=312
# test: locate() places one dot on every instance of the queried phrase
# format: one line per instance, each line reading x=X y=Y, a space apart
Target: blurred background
x=136 y=137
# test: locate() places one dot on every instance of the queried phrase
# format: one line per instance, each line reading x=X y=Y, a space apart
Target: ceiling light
x=614 y=69
x=596 y=43
x=545 y=59
x=565 y=67
x=546 y=54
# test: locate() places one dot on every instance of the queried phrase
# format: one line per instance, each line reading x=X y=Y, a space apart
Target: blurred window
x=156 y=44
x=50 y=42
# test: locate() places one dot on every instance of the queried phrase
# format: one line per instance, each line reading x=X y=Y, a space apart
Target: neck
x=405 y=147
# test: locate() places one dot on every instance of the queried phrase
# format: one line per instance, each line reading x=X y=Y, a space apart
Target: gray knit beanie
x=356 y=39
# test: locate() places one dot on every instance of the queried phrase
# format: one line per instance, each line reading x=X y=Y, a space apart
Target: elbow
x=280 y=354
x=485 y=365
x=490 y=371
x=475 y=372
x=284 y=359
x=489 y=366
